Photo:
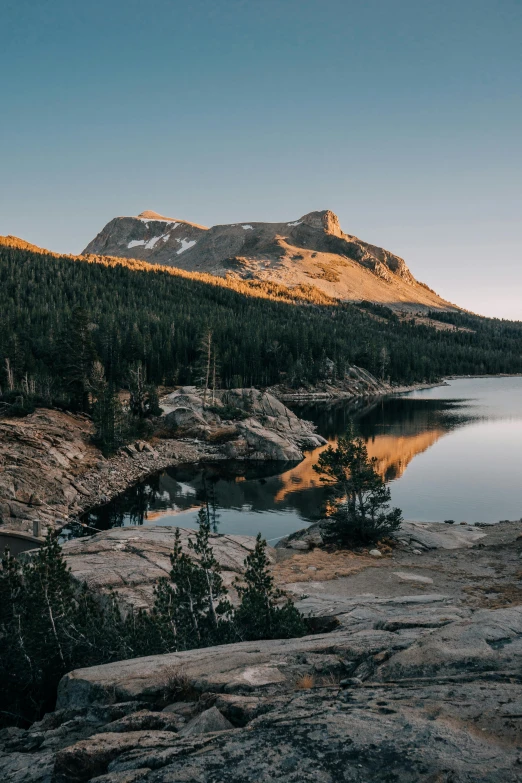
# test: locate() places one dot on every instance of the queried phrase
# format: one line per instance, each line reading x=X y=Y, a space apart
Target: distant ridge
x=312 y=250
x=21 y=244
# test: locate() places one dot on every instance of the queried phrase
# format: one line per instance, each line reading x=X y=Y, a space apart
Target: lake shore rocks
x=50 y=472
x=249 y=423
x=418 y=536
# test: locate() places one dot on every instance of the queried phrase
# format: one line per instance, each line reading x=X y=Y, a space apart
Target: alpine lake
x=453 y=452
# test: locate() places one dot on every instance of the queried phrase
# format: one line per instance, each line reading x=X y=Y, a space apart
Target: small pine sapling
x=259 y=615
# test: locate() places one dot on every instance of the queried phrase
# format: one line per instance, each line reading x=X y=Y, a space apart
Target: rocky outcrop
x=130 y=560
x=356 y=383
x=310 y=250
x=43 y=458
x=50 y=472
x=249 y=424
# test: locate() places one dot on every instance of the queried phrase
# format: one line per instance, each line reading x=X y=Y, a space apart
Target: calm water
x=453 y=452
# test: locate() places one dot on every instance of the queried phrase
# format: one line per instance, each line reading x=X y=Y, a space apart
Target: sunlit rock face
x=311 y=250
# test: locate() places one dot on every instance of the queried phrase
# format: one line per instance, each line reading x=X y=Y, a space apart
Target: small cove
x=450 y=452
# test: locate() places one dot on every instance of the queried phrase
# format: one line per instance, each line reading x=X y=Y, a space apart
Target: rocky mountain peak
x=313 y=250
x=148 y=214
x=326 y=220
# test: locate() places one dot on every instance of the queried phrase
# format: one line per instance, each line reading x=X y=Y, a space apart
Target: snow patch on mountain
x=185 y=245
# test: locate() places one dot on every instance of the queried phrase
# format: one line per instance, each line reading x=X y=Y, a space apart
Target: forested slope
x=262 y=333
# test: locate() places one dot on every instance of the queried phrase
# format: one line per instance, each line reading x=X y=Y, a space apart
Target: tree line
x=60 y=312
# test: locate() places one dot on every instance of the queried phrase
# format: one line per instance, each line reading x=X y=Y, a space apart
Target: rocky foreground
x=419 y=678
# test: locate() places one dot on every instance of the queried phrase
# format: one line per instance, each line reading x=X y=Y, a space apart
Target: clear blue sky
x=402 y=116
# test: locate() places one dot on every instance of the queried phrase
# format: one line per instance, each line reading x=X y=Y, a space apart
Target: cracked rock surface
x=417 y=681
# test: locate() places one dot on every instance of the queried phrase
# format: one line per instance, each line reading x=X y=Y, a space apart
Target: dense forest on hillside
x=139 y=313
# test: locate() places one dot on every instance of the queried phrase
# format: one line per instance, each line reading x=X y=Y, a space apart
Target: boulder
x=267 y=429
x=184 y=416
x=304 y=539
x=437 y=535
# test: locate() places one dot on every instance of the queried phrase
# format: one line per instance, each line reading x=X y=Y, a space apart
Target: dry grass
x=305 y=683
x=319 y=566
x=175 y=685
x=309 y=681
x=495 y=596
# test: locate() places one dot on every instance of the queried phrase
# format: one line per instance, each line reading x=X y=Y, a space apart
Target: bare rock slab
x=130 y=560
x=437 y=535
x=238 y=668
x=487 y=642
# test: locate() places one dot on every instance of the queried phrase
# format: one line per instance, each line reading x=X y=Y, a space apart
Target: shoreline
x=497 y=375
x=105 y=479
x=334 y=394
x=331 y=396
x=120 y=472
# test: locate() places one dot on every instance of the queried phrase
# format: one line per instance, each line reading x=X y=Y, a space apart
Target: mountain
x=312 y=250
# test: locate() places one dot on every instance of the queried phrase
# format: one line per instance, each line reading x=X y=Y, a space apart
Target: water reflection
x=448 y=453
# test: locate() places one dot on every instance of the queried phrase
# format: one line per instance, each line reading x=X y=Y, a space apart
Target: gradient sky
x=402 y=116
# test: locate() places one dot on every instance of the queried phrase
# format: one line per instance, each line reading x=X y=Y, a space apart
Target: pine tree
x=110 y=425
x=77 y=356
x=192 y=609
x=144 y=401
x=48 y=626
x=359 y=512
x=259 y=615
x=205 y=363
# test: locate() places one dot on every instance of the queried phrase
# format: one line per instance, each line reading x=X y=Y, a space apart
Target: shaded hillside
x=312 y=249
x=139 y=312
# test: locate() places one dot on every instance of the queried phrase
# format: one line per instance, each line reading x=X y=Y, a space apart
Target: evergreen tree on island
x=359 y=512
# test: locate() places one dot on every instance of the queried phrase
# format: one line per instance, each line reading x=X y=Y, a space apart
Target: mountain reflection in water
x=432 y=477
